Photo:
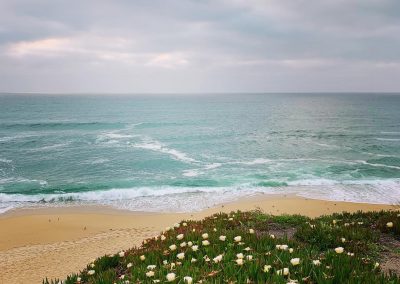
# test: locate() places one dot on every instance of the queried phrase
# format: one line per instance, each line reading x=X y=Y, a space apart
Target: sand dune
x=55 y=242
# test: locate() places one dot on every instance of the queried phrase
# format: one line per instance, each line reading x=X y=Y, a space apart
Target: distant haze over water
x=184 y=153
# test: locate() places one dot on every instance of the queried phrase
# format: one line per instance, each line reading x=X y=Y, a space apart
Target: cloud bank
x=199 y=46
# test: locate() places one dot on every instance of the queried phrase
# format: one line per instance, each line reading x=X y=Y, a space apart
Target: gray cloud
x=199 y=46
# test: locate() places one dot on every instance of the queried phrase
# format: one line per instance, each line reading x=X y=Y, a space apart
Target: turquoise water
x=184 y=153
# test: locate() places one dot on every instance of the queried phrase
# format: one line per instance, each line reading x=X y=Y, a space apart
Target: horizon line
x=198 y=93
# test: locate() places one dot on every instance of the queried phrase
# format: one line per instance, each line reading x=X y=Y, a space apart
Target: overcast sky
x=199 y=46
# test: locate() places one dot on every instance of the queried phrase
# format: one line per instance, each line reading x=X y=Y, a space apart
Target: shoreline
x=58 y=241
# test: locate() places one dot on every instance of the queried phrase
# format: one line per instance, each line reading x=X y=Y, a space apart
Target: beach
x=55 y=242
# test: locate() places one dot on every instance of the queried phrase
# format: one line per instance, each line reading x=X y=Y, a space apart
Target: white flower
x=92 y=265
x=129 y=265
x=90 y=272
x=334 y=222
x=188 y=279
x=194 y=230
x=316 y=262
x=150 y=273
x=272 y=236
x=162 y=237
x=282 y=247
x=218 y=258
x=156 y=281
x=165 y=262
x=239 y=261
x=230 y=219
x=346 y=224
x=151 y=267
x=177 y=225
x=339 y=250
x=206 y=258
x=171 y=277
x=360 y=223
x=267 y=268
x=343 y=240
x=312 y=226
x=121 y=254
x=142 y=257
x=195 y=248
x=222 y=238
x=205 y=243
x=350 y=253
x=184 y=224
x=180 y=255
x=237 y=239
x=172 y=247
x=251 y=231
x=183 y=244
x=122 y=277
x=193 y=260
x=190 y=244
x=172 y=265
x=376 y=265
x=389 y=224
x=239 y=255
x=247 y=249
x=249 y=257
x=290 y=250
x=78 y=279
x=295 y=261
x=180 y=236
x=167 y=229
x=284 y=271
x=204 y=236
x=215 y=229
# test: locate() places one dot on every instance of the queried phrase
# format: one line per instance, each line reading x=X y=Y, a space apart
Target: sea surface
x=188 y=152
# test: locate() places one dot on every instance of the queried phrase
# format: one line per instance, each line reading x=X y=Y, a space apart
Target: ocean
x=188 y=152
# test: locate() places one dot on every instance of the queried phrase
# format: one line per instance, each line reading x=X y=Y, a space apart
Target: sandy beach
x=55 y=242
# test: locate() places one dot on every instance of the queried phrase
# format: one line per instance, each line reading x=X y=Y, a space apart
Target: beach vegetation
x=253 y=247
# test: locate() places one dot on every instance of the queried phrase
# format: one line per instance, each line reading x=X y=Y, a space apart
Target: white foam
x=191 y=173
x=16 y=137
x=391 y=132
x=5 y=161
x=196 y=172
x=187 y=199
x=114 y=138
x=212 y=166
x=257 y=161
x=323 y=144
x=50 y=147
x=157 y=146
x=378 y=165
x=21 y=180
x=314 y=181
x=113 y=135
x=99 y=161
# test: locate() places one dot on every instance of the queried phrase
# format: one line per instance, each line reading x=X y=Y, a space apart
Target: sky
x=196 y=46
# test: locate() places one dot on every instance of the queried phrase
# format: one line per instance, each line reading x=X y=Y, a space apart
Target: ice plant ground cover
x=252 y=247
